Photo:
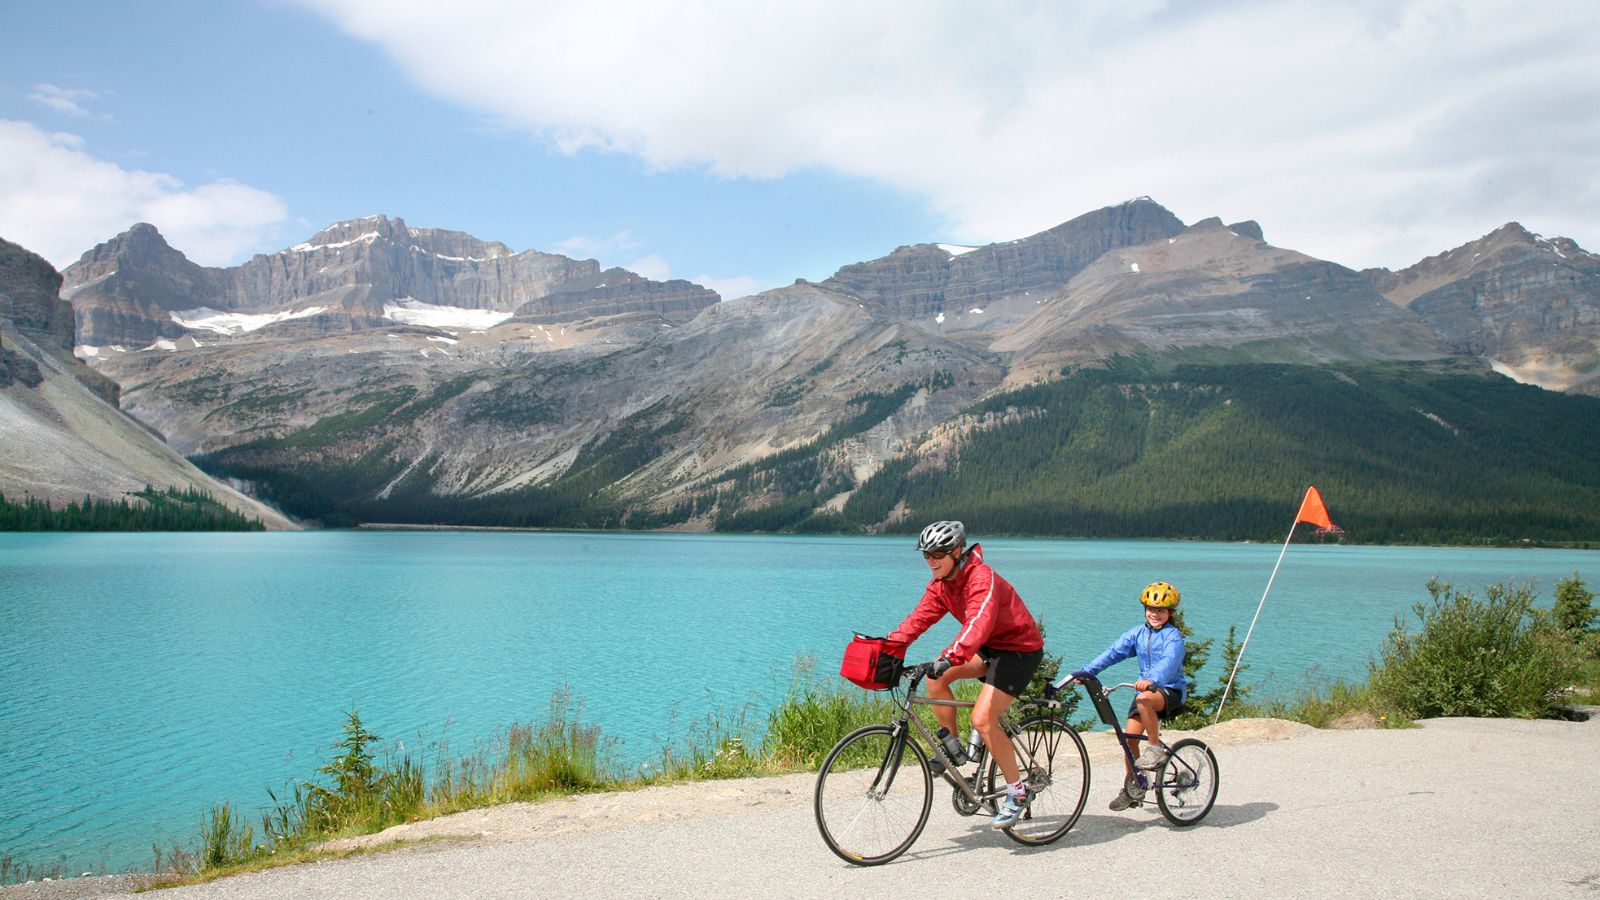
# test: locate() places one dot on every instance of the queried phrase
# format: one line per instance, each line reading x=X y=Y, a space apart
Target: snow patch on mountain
x=416 y=249
x=85 y=351
x=207 y=319
x=407 y=311
x=307 y=247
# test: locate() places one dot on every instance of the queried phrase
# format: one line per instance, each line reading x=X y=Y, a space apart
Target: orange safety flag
x=1312 y=510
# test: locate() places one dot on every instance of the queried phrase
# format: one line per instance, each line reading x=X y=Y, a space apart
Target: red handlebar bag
x=873 y=662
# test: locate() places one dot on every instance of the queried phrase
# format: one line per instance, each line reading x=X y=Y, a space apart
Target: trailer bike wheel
x=1186 y=786
x=873 y=795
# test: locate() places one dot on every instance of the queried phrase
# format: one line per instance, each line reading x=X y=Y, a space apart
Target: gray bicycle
x=875 y=789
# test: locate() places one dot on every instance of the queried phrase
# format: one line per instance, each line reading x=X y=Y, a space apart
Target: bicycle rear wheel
x=873 y=795
x=1056 y=765
x=1186 y=786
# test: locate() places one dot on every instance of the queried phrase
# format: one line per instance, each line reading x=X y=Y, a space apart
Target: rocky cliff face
x=30 y=297
x=60 y=438
x=1527 y=304
x=925 y=280
x=127 y=291
x=617 y=292
x=30 y=303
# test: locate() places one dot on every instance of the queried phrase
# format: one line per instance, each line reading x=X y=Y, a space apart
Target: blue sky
x=744 y=145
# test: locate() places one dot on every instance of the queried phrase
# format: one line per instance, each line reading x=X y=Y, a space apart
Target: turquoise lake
x=145 y=678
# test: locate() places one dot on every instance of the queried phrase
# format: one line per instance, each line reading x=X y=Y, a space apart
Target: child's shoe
x=1152 y=757
x=1126 y=798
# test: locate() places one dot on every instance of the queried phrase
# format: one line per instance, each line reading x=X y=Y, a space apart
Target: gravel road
x=1455 y=808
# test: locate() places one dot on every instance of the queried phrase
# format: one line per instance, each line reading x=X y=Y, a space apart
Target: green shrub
x=1574 y=610
x=1471 y=657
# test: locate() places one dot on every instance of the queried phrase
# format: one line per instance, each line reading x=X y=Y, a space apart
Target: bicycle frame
x=951 y=770
x=874 y=788
x=1101 y=698
x=1127 y=740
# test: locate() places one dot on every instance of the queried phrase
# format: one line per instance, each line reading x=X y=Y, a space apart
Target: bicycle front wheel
x=873 y=795
x=1186 y=786
x=1055 y=764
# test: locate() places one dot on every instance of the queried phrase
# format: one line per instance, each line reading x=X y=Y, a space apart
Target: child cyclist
x=1162 y=689
x=998 y=642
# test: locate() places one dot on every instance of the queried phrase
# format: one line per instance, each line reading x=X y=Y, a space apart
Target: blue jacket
x=1160 y=652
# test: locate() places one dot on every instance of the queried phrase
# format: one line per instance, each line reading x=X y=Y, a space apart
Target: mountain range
x=379 y=372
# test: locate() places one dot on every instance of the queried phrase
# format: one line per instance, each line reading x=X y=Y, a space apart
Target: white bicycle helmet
x=942 y=536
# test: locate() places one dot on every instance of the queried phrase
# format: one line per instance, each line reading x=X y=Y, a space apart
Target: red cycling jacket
x=984 y=603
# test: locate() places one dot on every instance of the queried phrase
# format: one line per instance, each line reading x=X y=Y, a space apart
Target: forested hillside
x=1401 y=452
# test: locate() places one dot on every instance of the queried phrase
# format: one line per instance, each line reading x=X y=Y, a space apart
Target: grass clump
x=813 y=717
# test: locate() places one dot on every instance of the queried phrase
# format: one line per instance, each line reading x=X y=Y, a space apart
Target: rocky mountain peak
x=1129 y=223
x=363 y=232
x=1509 y=244
x=924 y=280
x=352 y=231
x=140 y=247
x=1528 y=304
x=1249 y=228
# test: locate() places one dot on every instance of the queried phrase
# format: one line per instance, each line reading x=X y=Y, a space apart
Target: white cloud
x=68 y=101
x=587 y=247
x=732 y=288
x=656 y=268
x=653 y=267
x=1368 y=132
x=59 y=201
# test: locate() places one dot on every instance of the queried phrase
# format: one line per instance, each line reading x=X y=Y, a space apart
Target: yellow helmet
x=1160 y=595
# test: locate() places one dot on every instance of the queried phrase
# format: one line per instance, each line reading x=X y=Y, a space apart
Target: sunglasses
x=936 y=554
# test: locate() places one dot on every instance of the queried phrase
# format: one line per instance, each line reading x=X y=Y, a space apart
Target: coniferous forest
x=1401 y=453
x=148 y=510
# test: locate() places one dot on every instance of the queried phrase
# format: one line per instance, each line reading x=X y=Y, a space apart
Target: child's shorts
x=1173 y=707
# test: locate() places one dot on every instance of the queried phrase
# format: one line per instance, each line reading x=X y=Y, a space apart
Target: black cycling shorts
x=1174 y=705
x=1010 y=670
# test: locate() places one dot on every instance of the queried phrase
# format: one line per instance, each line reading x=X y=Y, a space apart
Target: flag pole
x=1240 y=655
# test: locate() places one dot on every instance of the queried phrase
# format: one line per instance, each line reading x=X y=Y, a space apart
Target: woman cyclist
x=998 y=642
